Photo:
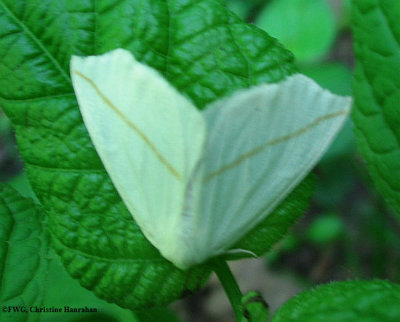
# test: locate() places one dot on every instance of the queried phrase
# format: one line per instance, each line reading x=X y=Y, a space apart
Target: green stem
x=230 y=285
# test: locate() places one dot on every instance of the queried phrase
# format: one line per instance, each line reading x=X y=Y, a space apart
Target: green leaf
x=333 y=76
x=32 y=276
x=204 y=50
x=63 y=291
x=373 y=301
x=376 y=86
x=345 y=17
x=239 y=7
x=326 y=229
x=162 y=314
x=23 y=250
x=306 y=27
x=255 y=309
x=21 y=183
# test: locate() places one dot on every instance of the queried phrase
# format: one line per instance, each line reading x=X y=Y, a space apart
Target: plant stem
x=230 y=286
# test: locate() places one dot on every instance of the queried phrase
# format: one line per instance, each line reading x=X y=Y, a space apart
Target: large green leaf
x=204 y=50
x=373 y=301
x=63 y=291
x=377 y=92
x=23 y=256
x=32 y=276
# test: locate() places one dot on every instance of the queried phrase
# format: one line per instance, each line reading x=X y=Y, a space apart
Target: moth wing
x=262 y=142
x=148 y=136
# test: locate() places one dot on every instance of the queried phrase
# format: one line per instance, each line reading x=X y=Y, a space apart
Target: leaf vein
x=36 y=40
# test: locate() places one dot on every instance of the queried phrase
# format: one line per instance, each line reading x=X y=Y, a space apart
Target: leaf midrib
x=37 y=41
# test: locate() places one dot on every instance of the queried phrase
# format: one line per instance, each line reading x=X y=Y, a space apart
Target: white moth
x=197 y=181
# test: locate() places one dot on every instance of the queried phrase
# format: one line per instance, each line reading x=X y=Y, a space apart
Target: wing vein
x=152 y=147
x=271 y=143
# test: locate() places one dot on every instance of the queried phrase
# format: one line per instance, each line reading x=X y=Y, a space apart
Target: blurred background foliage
x=347 y=232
